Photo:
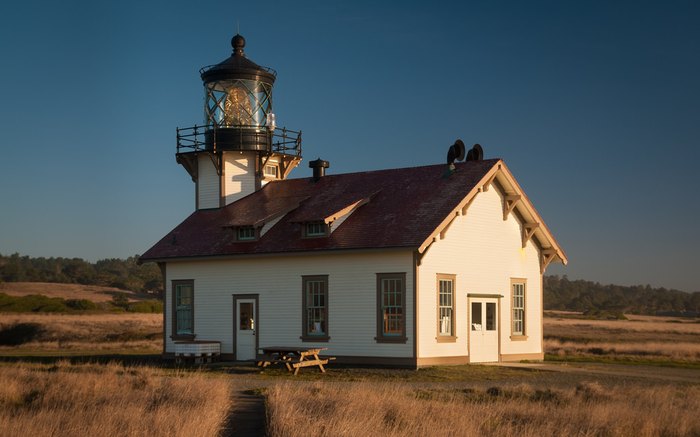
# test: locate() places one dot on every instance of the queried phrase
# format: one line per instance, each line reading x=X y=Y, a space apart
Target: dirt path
x=247 y=419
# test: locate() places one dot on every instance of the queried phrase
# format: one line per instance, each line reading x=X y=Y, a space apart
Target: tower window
x=270 y=171
x=246 y=233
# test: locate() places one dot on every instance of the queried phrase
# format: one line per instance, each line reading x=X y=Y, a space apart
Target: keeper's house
x=404 y=267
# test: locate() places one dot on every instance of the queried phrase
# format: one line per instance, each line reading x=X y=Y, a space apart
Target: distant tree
x=126 y=274
x=593 y=297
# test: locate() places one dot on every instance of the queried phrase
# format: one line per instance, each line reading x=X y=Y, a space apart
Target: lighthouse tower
x=238 y=149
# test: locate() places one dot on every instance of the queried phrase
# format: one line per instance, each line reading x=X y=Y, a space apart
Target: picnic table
x=293 y=358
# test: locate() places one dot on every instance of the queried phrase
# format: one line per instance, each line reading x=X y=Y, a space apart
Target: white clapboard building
x=404 y=267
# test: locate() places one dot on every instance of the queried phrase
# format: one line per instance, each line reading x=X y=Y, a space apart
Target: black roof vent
x=319 y=166
x=476 y=153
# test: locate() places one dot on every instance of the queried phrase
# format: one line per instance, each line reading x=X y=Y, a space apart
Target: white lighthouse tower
x=239 y=148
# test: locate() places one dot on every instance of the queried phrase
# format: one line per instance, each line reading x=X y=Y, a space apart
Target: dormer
x=254 y=222
x=324 y=225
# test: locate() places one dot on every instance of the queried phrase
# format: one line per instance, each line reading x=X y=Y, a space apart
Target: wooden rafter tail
x=216 y=160
x=488 y=182
x=287 y=164
x=263 y=162
x=443 y=232
x=547 y=257
x=528 y=231
x=509 y=204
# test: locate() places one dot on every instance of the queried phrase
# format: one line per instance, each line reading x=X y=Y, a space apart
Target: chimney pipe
x=319 y=166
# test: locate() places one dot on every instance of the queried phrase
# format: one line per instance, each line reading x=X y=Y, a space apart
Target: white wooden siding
x=207 y=183
x=485 y=252
x=239 y=175
x=352 y=298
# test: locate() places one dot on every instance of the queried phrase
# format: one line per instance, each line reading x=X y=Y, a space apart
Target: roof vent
x=456 y=151
x=319 y=166
x=476 y=153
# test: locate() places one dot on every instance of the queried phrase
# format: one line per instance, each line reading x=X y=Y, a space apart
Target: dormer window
x=246 y=233
x=315 y=229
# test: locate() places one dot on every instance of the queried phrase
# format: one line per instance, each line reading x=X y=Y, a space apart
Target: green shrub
x=81 y=304
x=31 y=303
x=120 y=300
x=146 y=306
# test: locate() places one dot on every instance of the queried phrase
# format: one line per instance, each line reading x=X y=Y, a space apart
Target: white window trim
x=518 y=303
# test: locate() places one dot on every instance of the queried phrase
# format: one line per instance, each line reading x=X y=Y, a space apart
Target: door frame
x=498 y=297
x=236 y=298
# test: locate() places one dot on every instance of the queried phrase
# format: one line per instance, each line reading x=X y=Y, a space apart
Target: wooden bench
x=198 y=352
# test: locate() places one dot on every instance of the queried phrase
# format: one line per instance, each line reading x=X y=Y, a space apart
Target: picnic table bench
x=293 y=358
x=199 y=351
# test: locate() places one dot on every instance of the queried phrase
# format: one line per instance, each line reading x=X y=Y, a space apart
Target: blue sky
x=594 y=106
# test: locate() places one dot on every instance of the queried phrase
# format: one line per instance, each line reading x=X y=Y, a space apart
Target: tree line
x=560 y=293
x=125 y=274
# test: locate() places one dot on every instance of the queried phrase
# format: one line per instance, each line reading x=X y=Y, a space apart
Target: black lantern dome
x=238 y=66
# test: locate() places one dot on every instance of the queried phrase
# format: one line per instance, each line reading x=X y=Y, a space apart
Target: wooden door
x=245 y=329
x=483 y=330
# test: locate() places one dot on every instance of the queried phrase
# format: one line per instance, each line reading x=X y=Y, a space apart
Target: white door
x=245 y=329
x=483 y=330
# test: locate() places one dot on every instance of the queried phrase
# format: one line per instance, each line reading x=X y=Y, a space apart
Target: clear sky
x=594 y=106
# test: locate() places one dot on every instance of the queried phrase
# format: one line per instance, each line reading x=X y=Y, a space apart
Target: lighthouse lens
x=237 y=103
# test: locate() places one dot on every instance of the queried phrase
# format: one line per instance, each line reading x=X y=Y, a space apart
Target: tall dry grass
x=108 y=400
x=642 y=336
x=364 y=409
x=94 y=332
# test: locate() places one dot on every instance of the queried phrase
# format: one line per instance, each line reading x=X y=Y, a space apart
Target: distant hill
x=560 y=293
x=94 y=293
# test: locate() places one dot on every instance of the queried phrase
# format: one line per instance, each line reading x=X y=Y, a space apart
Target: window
x=183 y=309
x=315 y=229
x=246 y=318
x=315 y=308
x=270 y=171
x=518 y=287
x=391 y=307
x=445 y=308
x=246 y=233
x=476 y=316
x=490 y=316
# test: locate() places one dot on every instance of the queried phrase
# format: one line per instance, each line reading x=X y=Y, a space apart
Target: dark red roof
x=405 y=206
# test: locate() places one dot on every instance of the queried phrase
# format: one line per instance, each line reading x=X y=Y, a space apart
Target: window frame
x=321 y=224
x=256 y=233
x=521 y=334
x=174 y=334
x=452 y=336
x=383 y=337
x=268 y=175
x=305 y=335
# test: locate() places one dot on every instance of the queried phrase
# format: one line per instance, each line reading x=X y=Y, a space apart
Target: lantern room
x=239 y=147
x=238 y=102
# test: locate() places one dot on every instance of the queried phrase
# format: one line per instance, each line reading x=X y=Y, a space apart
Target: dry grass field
x=95 y=333
x=109 y=400
x=662 y=339
x=94 y=293
x=588 y=409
